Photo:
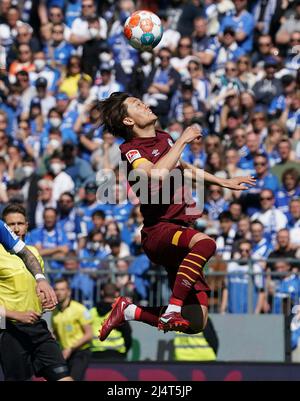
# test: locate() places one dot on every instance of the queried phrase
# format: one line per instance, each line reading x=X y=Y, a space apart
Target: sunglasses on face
x=260 y=164
x=266 y=198
x=185 y=45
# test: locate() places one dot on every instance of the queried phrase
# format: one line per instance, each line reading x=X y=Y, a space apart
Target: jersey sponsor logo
x=15 y=237
x=132 y=155
x=170 y=142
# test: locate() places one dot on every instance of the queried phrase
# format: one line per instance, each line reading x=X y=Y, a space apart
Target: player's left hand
x=239 y=183
x=46 y=294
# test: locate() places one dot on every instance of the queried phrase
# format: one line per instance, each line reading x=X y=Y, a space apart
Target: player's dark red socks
x=191 y=269
x=145 y=314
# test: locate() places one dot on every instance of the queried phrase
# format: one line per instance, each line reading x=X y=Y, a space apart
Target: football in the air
x=143 y=29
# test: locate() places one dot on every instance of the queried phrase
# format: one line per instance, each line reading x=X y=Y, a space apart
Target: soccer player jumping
x=168 y=238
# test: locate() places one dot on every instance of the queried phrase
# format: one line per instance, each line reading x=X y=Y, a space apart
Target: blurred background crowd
x=230 y=66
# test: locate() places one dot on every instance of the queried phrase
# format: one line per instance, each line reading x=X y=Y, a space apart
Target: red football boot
x=115 y=318
x=172 y=321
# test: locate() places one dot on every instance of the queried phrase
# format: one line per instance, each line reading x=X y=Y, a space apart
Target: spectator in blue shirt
x=70 y=220
x=236 y=294
x=243 y=23
x=229 y=50
x=57 y=50
x=290 y=190
x=287 y=288
x=72 y=11
x=278 y=104
x=265 y=180
x=252 y=148
x=215 y=203
x=90 y=204
x=261 y=244
x=50 y=240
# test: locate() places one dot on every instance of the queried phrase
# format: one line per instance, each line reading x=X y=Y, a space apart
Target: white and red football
x=143 y=29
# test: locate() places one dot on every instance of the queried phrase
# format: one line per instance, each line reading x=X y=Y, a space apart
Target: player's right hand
x=28 y=317
x=191 y=133
x=46 y=294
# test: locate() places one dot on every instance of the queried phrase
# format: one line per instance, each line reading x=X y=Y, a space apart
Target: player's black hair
x=14 y=208
x=99 y=213
x=113 y=111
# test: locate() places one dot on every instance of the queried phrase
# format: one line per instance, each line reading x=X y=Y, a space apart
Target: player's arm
x=236 y=183
x=86 y=338
x=43 y=288
x=163 y=166
x=28 y=317
x=12 y=243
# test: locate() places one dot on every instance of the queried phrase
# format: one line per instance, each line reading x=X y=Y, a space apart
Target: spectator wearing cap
x=268 y=87
x=228 y=50
x=108 y=83
x=290 y=190
x=80 y=26
x=44 y=70
x=69 y=84
x=204 y=46
x=90 y=203
x=287 y=158
x=243 y=23
x=47 y=101
x=272 y=218
x=50 y=240
x=57 y=50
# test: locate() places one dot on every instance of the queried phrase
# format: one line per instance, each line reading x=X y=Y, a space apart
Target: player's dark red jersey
x=135 y=151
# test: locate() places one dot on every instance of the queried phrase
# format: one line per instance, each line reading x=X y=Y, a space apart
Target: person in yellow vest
x=119 y=341
x=197 y=347
x=26 y=344
x=71 y=323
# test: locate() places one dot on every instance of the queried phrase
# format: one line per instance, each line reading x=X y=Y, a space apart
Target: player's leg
x=195 y=310
x=14 y=357
x=198 y=249
x=78 y=364
x=47 y=359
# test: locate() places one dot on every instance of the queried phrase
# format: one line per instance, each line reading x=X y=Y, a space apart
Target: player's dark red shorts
x=167 y=244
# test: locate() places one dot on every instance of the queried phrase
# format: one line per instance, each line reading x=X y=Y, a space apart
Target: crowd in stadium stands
x=230 y=66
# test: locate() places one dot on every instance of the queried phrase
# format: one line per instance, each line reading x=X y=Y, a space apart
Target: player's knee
x=210 y=246
x=55 y=373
